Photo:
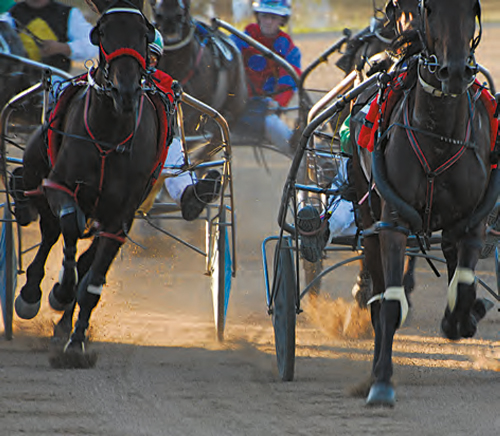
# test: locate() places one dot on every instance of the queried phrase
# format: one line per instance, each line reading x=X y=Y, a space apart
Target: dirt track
x=160 y=372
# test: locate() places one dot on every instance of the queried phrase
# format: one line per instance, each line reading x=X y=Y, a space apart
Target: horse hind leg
x=27 y=303
x=409 y=277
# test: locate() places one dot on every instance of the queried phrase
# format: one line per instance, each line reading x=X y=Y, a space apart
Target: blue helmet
x=282 y=8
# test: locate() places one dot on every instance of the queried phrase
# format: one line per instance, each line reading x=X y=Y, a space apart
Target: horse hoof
x=381 y=394
x=480 y=308
x=55 y=303
x=449 y=330
x=468 y=329
x=26 y=310
x=362 y=289
x=61 y=333
x=72 y=355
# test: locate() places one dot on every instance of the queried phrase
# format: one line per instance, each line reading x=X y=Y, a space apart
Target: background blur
x=308 y=15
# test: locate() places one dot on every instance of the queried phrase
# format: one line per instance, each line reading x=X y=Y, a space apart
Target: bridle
x=429 y=60
x=106 y=57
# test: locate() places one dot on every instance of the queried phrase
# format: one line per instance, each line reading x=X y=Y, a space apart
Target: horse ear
x=98 y=6
x=150 y=36
x=94 y=36
x=390 y=11
x=139 y=4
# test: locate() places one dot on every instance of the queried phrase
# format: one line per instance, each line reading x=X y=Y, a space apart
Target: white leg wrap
x=96 y=290
x=394 y=293
x=462 y=275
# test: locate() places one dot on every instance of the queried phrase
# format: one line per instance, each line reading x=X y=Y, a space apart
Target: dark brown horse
x=100 y=166
x=384 y=28
x=432 y=169
x=203 y=60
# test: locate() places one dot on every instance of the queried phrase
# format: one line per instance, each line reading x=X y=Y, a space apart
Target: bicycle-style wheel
x=220 y=272
x=284 y=309
x=8 y=273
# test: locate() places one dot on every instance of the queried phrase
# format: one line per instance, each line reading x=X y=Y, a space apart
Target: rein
x=431 y=174
x=181 y=43
x=118 y=147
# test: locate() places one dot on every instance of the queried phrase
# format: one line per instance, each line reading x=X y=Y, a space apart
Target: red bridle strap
x=124 y=51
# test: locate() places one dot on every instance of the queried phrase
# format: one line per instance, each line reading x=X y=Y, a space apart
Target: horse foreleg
x=89 y=290
x=72 y=222
x=27 y=303
x=392 y=313
x=463 y=310
x=63 y=328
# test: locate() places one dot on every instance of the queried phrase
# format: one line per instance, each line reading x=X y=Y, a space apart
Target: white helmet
x=157 y=45
x=283 y=8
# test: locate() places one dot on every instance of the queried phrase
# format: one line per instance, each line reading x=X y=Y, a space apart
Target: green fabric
x=157 y=45
x=345 y=136
x=5 y=5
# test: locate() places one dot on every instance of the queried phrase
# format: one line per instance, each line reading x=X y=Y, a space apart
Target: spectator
x=52 y=32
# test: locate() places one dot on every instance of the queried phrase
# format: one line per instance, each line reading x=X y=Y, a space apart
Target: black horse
x=106 y=144
x=205 y=61
x=432 y=169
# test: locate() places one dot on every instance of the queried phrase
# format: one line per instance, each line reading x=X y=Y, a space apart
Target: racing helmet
x=283 y=8
x=156 y=46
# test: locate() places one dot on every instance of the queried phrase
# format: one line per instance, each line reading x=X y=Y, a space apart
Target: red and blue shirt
x=266 y=77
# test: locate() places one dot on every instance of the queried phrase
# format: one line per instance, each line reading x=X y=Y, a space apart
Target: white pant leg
x=341 y=221
x=278 y=133
x=176 y=185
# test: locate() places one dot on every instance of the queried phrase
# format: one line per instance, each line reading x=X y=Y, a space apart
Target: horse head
x=403 y=13
x=448 y=31
x=173 y=19
x=122 y=34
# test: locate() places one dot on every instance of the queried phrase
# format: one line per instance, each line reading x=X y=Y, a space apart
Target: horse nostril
x=470 y=72
x=443 y=73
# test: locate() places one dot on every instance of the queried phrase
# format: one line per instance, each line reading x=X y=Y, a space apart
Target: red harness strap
x=124 y=51
x=50 y=184
x=104 y=153
x=113 y=236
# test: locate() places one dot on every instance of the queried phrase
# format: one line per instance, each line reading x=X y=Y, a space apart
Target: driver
x=338 y=220
x=270 y=86
x=191 y=194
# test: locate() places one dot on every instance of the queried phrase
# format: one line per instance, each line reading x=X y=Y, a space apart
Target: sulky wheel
x=220 y=271
x=284 y=310
x=8 y=273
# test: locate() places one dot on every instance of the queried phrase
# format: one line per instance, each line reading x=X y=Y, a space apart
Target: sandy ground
x=160 y=371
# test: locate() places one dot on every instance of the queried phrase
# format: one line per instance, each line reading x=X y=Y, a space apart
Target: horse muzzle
x=456 y=79
x=125 y=101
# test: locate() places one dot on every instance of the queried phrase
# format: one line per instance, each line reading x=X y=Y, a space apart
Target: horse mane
x=406 y=45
